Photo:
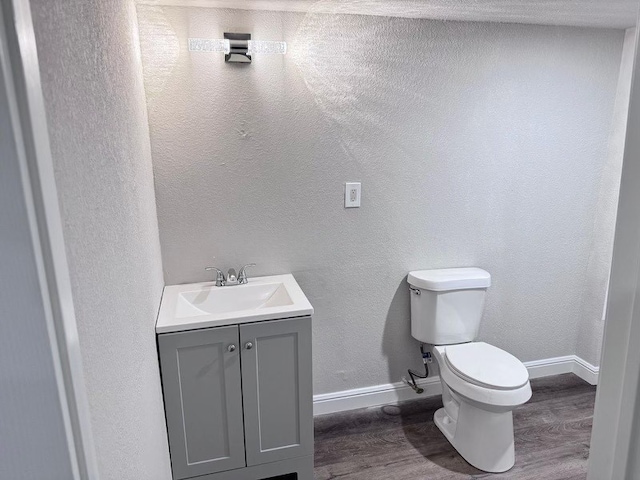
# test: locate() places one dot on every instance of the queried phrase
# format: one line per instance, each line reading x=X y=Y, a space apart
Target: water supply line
x=426 y=359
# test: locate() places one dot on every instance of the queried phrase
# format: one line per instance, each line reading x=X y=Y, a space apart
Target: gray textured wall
x=596 y=280
x=33 y=441
x=476 y=144
x=92 y=80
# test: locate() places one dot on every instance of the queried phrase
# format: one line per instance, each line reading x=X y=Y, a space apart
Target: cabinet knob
x=231 y=348
x=248 y=345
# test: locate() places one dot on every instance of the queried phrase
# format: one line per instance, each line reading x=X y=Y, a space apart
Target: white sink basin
x=206 y=301
x=201 y=305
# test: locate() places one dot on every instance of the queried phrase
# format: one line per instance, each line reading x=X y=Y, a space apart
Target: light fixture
x=237 y=47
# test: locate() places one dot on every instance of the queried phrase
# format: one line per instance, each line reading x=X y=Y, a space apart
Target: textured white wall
x=476 y=144
x=596 y=281
x=92 y=80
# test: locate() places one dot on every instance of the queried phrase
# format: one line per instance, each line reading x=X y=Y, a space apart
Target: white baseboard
x=391 y=393
x=586 y=371
x=550 y=366
x=388 y=393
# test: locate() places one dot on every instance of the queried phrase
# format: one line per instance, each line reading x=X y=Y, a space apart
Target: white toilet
x=481 y=384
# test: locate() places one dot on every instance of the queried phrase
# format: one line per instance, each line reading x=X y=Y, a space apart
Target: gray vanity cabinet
x=277 y=389
x=203 y=400
x=239 y=397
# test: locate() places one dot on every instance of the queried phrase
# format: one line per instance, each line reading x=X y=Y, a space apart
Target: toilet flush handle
x=415 y=290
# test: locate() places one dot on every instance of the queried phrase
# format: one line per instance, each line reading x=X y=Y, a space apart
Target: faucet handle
x=220 y=280
x=242 y=274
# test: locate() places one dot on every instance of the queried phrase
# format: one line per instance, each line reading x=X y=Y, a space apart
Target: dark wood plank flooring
x=401 y=442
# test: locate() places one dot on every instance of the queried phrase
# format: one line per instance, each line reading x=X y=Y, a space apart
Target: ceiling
x=588 y=13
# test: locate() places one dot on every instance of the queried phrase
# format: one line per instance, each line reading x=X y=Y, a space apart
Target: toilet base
x=483 y=438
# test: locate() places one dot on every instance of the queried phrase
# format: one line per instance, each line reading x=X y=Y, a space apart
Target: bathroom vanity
x=237 y=381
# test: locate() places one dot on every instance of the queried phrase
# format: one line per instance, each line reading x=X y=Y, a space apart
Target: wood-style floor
x=401 y=442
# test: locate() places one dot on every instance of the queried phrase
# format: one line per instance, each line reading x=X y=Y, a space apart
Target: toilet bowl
x=481 y=385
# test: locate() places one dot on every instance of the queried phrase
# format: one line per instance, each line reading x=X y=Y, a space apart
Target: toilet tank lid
x=444 y=279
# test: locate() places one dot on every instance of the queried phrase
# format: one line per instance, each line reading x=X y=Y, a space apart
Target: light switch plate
x=352 y=192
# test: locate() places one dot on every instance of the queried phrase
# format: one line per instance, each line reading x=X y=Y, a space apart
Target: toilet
x=481 y=384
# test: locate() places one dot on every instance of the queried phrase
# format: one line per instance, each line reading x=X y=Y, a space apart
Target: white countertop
x=179 y=309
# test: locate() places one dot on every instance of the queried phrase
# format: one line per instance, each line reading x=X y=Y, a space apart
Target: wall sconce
x=237 y=47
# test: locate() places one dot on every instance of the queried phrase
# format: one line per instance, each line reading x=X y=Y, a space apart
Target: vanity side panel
x=203 y=400
x=277 y=387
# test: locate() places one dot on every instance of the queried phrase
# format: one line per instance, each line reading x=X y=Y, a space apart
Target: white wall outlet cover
x=352 y=192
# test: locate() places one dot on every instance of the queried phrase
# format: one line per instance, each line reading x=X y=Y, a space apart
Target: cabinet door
x=203 y=400
x=276 y=383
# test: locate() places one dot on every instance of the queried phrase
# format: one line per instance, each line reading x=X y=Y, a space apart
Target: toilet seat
x=470 y=388
x=486 y=366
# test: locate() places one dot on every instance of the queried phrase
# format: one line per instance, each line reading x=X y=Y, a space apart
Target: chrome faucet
x=231 y=278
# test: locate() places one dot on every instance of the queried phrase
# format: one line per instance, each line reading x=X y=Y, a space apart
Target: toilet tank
x=447 y=304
